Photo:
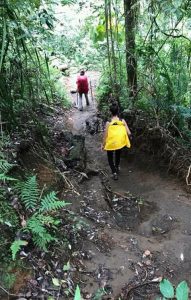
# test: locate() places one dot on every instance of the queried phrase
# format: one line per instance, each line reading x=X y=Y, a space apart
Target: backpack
x=117 y=137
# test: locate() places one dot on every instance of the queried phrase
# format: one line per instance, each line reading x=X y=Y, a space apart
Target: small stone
x=148 y=262
x=28 y=295
x=146 y=253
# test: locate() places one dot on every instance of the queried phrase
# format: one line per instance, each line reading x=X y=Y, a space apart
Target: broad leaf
x=182 y=291
x=55 y=281
x=67 y=266
x=166 y=288
x=77 y=294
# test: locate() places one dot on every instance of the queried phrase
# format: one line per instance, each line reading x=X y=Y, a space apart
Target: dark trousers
x=114 y=165
x=79 y=104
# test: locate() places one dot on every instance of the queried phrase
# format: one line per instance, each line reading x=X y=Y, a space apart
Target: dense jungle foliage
x=144 y=46
x=143 y=52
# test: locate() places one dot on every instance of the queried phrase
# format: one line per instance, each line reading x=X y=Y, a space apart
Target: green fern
x=46 y=220
x=49 y=221
x=5 y=166
x=41 y=237
x=30 y=193
x=16 y=246
x=4 y=177
x=43 y=241
x=40 y=222
x=36 y=226
x=50 y=202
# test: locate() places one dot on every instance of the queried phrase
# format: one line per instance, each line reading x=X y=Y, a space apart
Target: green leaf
x=166 y=288
x=182 y=291
x=16 y=246
x=67 y=266
x=55 y=281
x=77 y=294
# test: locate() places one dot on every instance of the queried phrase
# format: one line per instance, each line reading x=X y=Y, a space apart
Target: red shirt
x=82 y=84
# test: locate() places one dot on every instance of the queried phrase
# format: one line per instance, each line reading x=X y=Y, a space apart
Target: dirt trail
x=164 y=228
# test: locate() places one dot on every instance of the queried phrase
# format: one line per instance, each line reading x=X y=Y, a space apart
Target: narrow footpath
x=134 y=247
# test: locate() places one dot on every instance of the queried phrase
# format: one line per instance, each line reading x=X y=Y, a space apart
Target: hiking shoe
x=118 y=169
x=80 y=109
x=87 y=103
x=115 y=176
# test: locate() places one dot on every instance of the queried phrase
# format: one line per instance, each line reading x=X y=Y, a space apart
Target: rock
x=92 y=169
x=163 y=224
x=28 y=295
x=76 y=157
x=61 y=165
x=93 y=124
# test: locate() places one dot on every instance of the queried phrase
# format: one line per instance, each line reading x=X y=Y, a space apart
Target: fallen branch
x=187 y=176
x=9 y=294
x=154 y=281
x=115 y=193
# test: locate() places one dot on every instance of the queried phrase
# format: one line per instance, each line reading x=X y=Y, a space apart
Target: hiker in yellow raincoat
x=116 y=137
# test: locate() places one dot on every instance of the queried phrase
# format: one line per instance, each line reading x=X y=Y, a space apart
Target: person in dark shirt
x=82 y=88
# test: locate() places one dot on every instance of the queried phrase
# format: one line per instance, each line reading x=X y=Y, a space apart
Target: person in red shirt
x=82 y=88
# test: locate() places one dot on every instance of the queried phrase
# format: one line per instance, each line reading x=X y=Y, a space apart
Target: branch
x=185 y=8
x=4 y=290
x=172 y=30
x=143 y=284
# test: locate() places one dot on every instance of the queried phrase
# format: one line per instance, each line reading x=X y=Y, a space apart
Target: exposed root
x=188 y=175
x=141 y=285
x=6 y=292
x=68 y=183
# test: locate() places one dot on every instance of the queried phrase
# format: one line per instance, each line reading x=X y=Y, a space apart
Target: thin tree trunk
x=115 y=87
x=108 y=45
x=117 y=42
x=131 y=63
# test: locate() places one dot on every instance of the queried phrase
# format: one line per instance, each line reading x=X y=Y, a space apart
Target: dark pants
x=110 y=154
x=79 y=104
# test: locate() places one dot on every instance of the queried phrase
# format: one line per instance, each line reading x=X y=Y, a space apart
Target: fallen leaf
x=55 y=281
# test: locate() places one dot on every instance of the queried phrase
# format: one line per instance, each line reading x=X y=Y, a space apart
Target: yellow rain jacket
x=117 y=137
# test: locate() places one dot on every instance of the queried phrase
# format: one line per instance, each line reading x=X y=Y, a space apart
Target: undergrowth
x=39 y=218
x=26 y=211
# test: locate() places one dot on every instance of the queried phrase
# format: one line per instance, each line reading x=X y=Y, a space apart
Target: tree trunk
x=108 y=45
x=131 y=63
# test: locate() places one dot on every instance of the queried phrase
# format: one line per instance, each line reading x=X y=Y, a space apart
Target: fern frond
x=41 y=237
x=36 y=226
x=43 y=241
x=30 y=193
x=16 y=246
x=5 y=166
x=4 y=177
x=46 y=220
x=50 y=202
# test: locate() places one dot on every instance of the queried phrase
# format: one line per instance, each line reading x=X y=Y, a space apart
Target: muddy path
x=139 y=226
